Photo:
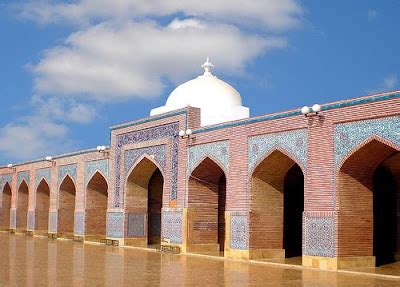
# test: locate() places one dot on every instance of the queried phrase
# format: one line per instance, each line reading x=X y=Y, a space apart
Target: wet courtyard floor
x=34 y=261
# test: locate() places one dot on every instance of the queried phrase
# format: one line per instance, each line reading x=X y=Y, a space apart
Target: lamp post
x=10 y=166
x=311 y=111
x=50 y=159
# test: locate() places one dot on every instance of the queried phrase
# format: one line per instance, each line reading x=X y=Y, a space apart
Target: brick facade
x=223 y=189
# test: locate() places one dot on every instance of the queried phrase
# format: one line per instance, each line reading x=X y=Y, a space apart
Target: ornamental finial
x=207 y=66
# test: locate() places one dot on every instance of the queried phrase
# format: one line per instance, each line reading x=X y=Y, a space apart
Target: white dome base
x=212 y=116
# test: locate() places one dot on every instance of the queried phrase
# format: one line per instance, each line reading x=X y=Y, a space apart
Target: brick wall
x=96 y=206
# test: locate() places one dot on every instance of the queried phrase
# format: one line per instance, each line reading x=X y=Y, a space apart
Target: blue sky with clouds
x=71 y=69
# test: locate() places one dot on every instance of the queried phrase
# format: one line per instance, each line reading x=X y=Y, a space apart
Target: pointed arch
x=207 y=205
x=96 y=207
x=213 y=159
x=22 y=205
x=143 y=202
x=277 y=204
x=140 y=160
x=42 y=206
x=361 y=201
x=5 y=206
x=66 y=206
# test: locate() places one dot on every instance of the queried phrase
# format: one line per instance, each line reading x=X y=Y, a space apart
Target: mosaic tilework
x=217 y=151
x=239 y=235
x=31 y=220
x=131 y=156
x=92 y=167
x=115 y=224
x=136 y=224
x=53 y=221
x=170 y=130
x=350 y=135
x=293 y=142
x=4 y=178
x=79 y=226
x=42 y=173
x=319 y=236
x=66 y=169
x=172 y=225
x=23 y=175
x=13 y=218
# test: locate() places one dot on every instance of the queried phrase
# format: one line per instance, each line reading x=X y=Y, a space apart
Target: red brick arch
x=22 y=205
x=5 y=207
x=96 y=199
x=42 y=206
x=211 y=157
x=275 y=190
x=206 y=205
x=355 y=195
x=66 y=206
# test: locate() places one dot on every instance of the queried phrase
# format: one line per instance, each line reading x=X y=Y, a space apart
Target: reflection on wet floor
x=33 y=261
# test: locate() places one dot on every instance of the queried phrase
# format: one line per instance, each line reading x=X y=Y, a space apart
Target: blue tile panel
x=218 y=151
x=319 y=235
x=293 y=142
x=67 y=169
x=137 y=224
x=350 y=135
x=79 y=226
x=53 y=216
x=132 y=156
x=165 y=131
x=23 y=175
x=115 y=224
x=172 y=220
x=91 y=167
x=31 y=220
x=44 y=173
x=239 y=233
x=4 y=178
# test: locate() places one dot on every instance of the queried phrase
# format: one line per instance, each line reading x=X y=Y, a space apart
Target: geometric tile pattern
x=91 y=167
x=23 y=175
x=218 y=151
x=292 y=142
x=67 y=169
x=79 y=226
x=132 y=156
x=4 y=178
x=165 y=131
x=53 y=221
x=115 y=224
x=13 y=218
x=239 y=235
x=136 y=224
x=350 y=135
x=319 y=236
x=44 y=173
x=31 y=220
x=172 y=225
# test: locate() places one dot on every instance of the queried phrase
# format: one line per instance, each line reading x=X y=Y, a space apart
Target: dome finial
x=207 y=66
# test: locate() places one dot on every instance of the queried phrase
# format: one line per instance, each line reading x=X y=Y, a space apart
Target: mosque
x=201 y=176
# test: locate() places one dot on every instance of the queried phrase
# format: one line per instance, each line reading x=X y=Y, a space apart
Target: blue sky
x=70 y=70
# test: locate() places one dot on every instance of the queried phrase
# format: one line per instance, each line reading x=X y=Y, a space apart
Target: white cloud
x=390 y=82
x=372 y=14
x=109 y=61
x=272 y=14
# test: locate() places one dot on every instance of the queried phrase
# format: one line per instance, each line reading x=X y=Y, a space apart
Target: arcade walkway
x=33 y=261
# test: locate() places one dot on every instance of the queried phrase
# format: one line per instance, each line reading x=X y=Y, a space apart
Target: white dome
x=218 y=101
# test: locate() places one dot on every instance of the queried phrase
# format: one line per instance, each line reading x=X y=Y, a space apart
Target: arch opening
x=42 y=207
x=277 y=205
x=66 y=207
x=368 y=196
x=5 y=207
x=22 y=205
x=143 y=204
x=96 y=207
x=207 y=204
